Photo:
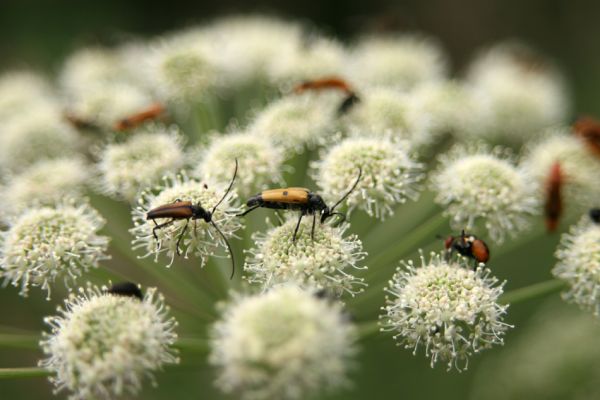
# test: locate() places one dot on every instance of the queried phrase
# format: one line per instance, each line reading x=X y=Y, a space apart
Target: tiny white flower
x=389 y=176
x=129 y=167
x=103 y=345
x=283 y=344
x=579 y=264
x=260 y=163
x=321 y=262
x=581 y=183
x=397 y=61
x=297 y=122
x=200 y=239
x=445 y=307
x=45 y=244
x=479 y=186
x=19 y=91
x=525 y=94
x=47 y=182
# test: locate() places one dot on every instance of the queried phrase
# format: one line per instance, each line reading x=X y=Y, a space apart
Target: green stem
x=532 y=292
x=24 y=341
x=28 y=372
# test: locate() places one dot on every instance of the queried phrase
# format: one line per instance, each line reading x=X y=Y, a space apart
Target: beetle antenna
x=349 y=191
x=228 y=247
x=228 y=189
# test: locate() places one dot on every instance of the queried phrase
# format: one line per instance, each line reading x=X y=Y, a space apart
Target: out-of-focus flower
x=283 y=344
x=103 y=345
x=445 y=307
x=19 y=92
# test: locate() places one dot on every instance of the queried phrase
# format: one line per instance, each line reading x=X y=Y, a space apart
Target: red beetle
x=553 y=206
x=468 y=245
x=588 y=129
x=330 y=83
x=153 y=112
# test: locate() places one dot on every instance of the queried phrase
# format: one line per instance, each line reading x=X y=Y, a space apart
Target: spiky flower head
x=481 y=187
x=200 y=238
x=446 y=307
x=525 y=93
x=20 y=90
x=389 y=176
x=579 y=264
x=260 y=163
x=129 y=167
x=297 y=122
x=579 y=168
x=397 y=61
x=322 y=262
x=40 y=133
x=283 y=344
x=387 y=112
x=47 y=182
x=49 y=243
x=103 y=345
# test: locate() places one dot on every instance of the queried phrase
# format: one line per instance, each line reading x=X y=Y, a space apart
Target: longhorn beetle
x=331 y=83
x=186 y=210
x=301 y=199
x=553 y=205
x=150 y=113
x=128 y=289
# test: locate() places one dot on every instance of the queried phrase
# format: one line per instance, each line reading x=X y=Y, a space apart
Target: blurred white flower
x=446 y=307
x=479 y=186
x=323 y=262
x=103 y=345
x=283 y=344
x=45 y=244
x=20 y=91
x=390 y=175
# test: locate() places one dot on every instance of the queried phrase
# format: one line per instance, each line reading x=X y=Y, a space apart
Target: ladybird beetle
x=186 y=210
x=589 y=130
x=553 y=205
x=128 y=289
x=301 y=199
x=468 y=245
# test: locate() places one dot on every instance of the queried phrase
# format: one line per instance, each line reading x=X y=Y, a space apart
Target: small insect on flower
x=128 y=289
x=588 y=129
x=331 y=83
x=553 y=206
x=595 y=215
x=152 y=112
x=467 y=245
x=186 y=210
x=301 y=199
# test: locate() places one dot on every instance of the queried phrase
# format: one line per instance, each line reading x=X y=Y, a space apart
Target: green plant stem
x=20 y=341
x=531 y=292
x=28 y=372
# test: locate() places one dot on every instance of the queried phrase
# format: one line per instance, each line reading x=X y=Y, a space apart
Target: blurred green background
x=40 y=34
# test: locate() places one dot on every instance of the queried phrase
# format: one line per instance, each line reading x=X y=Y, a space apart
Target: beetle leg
x=297 y=227
x=196 y=228
x=247 y=211
x=181 y=236
x=312 y=232
x=165 y=224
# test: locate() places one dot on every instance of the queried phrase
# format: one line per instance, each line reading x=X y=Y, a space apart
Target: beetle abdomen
x=178 y=210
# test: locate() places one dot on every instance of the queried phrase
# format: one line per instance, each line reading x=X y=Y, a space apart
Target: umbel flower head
x=47 y=182
x=283 y=344
x=579 y=167
x=480 y=186
x=322 y=263
x=127 y=168
x=579 y=264
x=296 y=122
x=401 y=61
x=103 y=345
x=446 y=307
x=21 y=90
x=389 y=174
x=259 y=162
x=200 y=239
x=49 y=243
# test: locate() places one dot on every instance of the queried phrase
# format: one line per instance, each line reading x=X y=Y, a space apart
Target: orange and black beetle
x=468 y=245
x=332 y=82
x=588 y=129
x=553 y=205
x=296 y=198
x=186 y=210
x=128 y=289
x=152 y=112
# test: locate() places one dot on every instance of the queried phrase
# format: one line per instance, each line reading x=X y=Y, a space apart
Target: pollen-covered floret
x=283 y=344
x=260 y=163
x=45 y=244
x=200 y=238
x=324 y=262
x=524 y=93
x=389 y=176
x=481 y=187
x=102 y=346
x=581 y=181
x=401 y=62
x=297 y=122
x=47 y=182
x=129 y=167
x=579 y=265
x=445 y=307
